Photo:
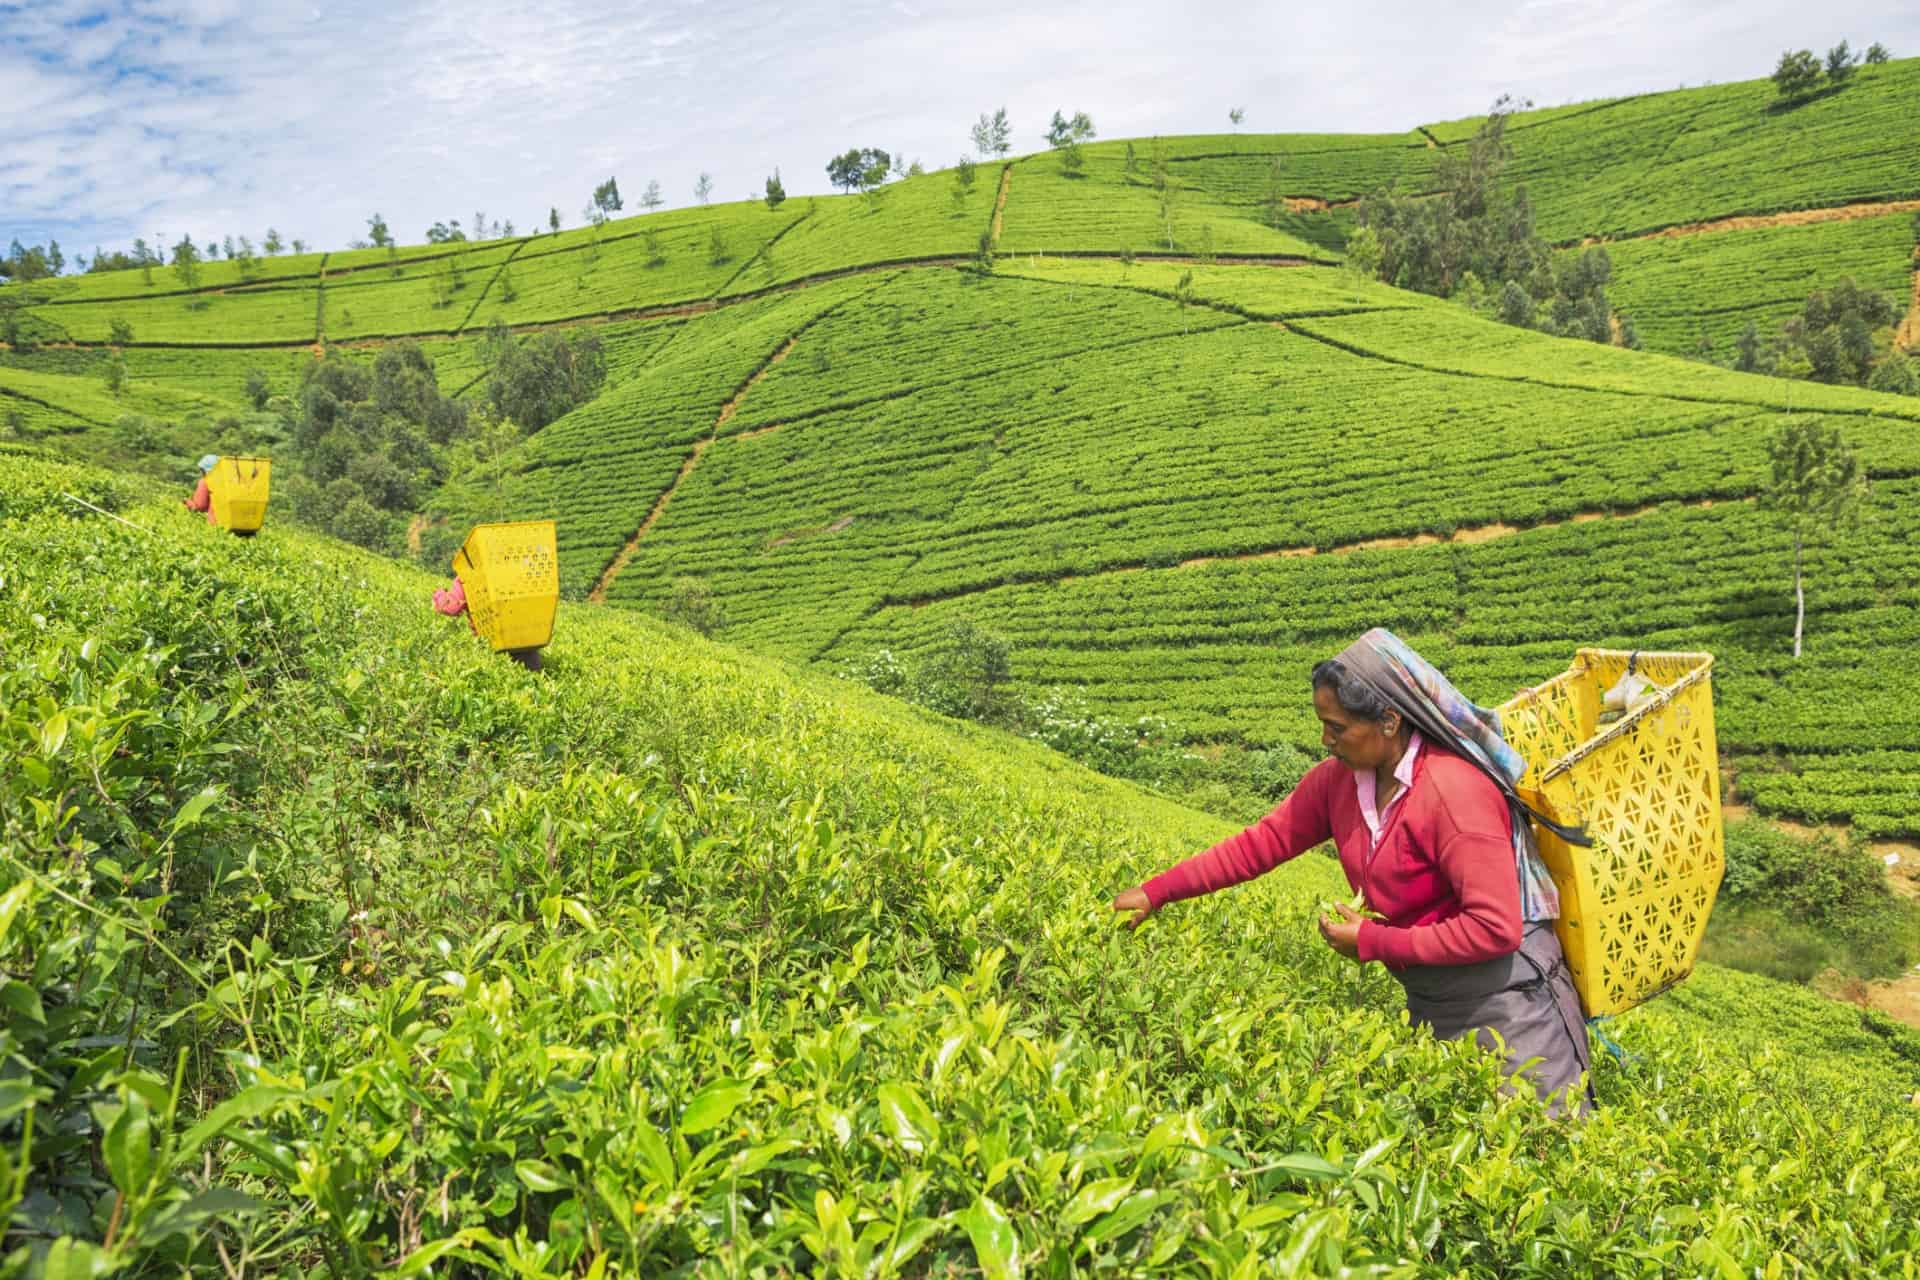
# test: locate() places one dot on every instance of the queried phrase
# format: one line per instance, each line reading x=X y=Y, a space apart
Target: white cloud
x=221 y=117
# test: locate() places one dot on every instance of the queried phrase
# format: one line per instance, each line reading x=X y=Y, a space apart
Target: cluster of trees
x=859 y=169
x=1475 y=241
x=373 y=438
x=1843 y=334
x=25 y=263
x=1798 y=74
x=1065 y=136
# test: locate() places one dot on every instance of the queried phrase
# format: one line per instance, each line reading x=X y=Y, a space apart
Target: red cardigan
x=1443 y=876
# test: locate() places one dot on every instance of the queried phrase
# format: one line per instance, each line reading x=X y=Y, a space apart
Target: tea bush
x=336 y=944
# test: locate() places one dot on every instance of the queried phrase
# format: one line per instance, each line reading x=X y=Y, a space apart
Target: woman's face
x=1355 y=741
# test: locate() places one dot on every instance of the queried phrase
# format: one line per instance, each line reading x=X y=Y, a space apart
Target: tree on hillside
x=859 y=169
x=776 y=190
x=186 y=262
x=968 y=673
x=651 y=199
x=1796 y=75
x=377 y=234
x=445 y=232
x=1747 y=349
x=1183 y=295
x=1166 y=194
x=1816 y=489
x=533 y=381
x=992 y=135
x=299 y=246
x=24 y=263
x=1275 y=201
x=553 y=220
x=1837 y=335
x=1363 y=253
x=119 y=332
x=656 y=256
x=147 y=259
x=1840 y=62
x=1237 y=114
x=1476 y=240
x=965 y=173
x=272 y=244
x=1877 y=54
x=1065 y=136
x=1896 y=373
x=606 y=199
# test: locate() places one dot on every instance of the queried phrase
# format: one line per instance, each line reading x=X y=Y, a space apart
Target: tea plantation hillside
x=335 y=944
x=1133 y=491
x=1168 y=484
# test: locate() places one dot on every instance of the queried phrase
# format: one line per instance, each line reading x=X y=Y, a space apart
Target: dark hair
x=1350 y=691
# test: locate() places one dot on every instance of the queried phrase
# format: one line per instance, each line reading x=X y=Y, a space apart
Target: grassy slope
x=665 y=881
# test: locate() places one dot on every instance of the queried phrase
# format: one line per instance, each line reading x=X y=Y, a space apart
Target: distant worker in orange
x=452 y=601
x=202 y=499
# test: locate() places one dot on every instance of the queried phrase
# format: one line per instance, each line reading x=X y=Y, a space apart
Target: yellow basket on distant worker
x=511 y=574
x=238 y=487
x=1634 y=906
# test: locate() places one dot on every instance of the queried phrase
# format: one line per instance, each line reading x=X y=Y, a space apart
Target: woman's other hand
x=1342 y=932
x=1136 y=901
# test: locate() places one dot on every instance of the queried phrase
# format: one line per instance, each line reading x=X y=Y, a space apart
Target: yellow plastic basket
x=238 y=487
x=1634 y=906
x=512 y=578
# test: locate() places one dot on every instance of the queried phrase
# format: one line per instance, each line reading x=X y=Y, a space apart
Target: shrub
x=694 y=605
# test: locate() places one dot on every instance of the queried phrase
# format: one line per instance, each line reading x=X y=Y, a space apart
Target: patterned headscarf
x=1446 y=716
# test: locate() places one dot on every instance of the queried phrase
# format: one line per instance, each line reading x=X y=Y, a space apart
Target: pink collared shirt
x=1367 y=788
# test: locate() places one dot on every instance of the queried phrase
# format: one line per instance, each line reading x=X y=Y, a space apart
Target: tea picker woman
x=1418 y=798
x=452 y=601
x=202 y=499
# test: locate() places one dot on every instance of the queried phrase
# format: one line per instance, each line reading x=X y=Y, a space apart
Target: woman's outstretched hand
x=1342 y=932
x=1136 y=901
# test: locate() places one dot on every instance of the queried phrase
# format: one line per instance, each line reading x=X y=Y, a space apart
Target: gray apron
x=1527 y=997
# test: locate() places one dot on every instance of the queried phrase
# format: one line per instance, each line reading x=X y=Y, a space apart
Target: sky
x=217 y=118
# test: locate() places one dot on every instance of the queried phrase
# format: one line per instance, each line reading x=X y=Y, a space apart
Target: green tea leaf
x=1095 y=1198
x=995 y=1243
x=712 y=1106
x=906 y=1117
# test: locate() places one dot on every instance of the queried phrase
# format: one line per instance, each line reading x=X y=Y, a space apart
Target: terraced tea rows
x=1712 y=284
x=1224 y=649
x=1658 y=160
x=817 y=531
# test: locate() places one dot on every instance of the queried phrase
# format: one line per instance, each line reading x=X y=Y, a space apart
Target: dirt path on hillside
x=599 y=593
x=1468 y=535
x=1756 y=222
